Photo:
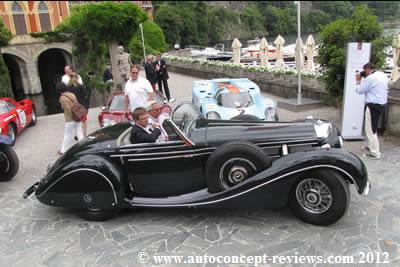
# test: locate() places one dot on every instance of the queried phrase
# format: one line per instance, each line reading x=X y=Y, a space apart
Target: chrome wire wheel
x=314 y=196
x=235 y=171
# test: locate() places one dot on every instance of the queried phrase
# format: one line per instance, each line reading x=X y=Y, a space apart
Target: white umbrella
x=279 y=43
x=264 y=52
x=310 y=46
x=299 y=54
x=236 y=45
x=396 y=57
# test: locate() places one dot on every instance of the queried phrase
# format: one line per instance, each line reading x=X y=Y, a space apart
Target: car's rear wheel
x=99 y=215
x=34 y=118
x=12 y=133
x=9 y=163
x=233 y=163
x=320 y=197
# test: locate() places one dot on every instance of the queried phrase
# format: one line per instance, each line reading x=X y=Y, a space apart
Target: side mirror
x=103 y=108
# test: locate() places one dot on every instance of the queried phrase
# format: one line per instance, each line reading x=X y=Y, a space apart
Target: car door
x=164 y=169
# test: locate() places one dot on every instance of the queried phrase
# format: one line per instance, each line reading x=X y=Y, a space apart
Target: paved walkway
x=32 y=234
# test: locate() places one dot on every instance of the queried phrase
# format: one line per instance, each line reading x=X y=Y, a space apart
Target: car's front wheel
x=98 y=215
x=12 y=134
x=320 y=197
x=9 y=163
x=233 y=163
x=34 y=118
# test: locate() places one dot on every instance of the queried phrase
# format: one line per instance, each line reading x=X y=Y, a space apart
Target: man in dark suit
x=162 y=76
x=142 y=131
x=150 y=70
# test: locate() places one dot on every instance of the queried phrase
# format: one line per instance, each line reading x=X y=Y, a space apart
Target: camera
x=363 y=74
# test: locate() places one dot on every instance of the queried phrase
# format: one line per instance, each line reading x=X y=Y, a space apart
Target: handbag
x=78 y=111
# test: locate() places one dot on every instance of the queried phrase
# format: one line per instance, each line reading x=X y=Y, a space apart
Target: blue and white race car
x=232 y=98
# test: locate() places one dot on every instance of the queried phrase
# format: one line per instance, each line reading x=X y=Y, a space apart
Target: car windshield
x=234 y=100
x=3 y=107
x=184 y=115
x=117 y=103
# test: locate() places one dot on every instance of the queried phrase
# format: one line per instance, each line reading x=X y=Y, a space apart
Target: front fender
x=87 y=181
x=347 y=164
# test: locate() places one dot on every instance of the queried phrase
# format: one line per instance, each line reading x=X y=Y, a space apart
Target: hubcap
x=33 y=116
x=4 y=163
x=237 y=174
x=235 y=171
x=314 y=196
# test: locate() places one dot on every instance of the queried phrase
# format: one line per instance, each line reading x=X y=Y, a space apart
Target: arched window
x=19 y=19
x=44 y=17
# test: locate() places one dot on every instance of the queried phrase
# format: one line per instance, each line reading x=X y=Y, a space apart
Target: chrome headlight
x=108 y=122
x=270 y=114
x=212 y=115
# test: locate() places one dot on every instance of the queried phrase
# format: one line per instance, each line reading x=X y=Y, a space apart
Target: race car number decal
x=22 y=117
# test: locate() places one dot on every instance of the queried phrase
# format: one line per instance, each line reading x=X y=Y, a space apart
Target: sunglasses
x=133 y=72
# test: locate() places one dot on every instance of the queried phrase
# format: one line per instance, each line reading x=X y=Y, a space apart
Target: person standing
x=66 y=79
x=150 y=71
x=67 y=100
x=162 y=77
x=375 y=87
x=108 y=79
x=138 y=91
x=68 y=70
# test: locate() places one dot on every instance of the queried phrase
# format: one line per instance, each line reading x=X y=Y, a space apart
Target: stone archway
x=51 y=64
x=17 y=70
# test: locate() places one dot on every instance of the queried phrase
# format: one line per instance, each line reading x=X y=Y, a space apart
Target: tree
x=154 y=41
x=93 y=27
x=170 y=22
x=5 y=83
x=363 y=26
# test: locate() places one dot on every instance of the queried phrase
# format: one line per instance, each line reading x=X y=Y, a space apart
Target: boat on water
x=252 y=50
x=212 y=53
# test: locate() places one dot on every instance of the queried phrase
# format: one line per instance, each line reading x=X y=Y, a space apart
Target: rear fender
x=87 y=182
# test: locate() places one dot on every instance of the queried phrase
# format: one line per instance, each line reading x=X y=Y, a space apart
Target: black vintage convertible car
x=208 y=163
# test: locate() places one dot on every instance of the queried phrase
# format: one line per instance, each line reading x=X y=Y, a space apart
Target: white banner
x=358 y=54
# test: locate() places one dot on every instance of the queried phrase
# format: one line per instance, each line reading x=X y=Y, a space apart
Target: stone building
x=34 y=65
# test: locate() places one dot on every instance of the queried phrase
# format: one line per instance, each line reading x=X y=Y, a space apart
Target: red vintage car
x=114 y=112
x=16 y=116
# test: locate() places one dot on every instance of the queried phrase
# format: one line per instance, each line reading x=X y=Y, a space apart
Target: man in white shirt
x=138 y=91
x=375 y=88
x=67 y=76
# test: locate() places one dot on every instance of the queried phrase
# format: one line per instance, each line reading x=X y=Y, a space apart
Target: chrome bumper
x=367 y=188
